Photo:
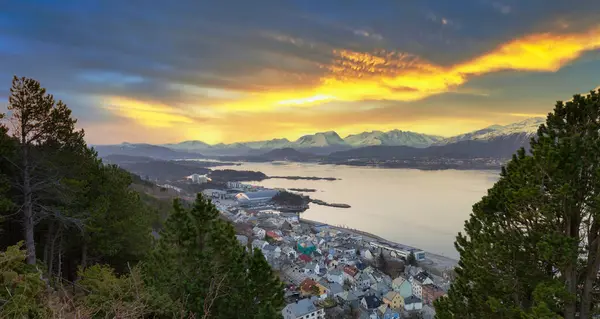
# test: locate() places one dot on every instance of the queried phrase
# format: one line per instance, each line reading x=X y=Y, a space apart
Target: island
x=305 y=190
x=309 y=178
x=322 y=203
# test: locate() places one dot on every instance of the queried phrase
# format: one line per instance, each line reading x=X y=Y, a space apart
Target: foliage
x=199 y=262
x=126 y=296
x=22 y=290
x=412 y=260
x=531 y=248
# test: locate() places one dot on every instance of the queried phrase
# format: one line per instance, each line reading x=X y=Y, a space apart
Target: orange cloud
x=356 y=76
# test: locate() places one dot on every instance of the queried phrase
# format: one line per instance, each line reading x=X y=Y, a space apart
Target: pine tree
x=43 y=128
x=198 y=261
x=531 y=248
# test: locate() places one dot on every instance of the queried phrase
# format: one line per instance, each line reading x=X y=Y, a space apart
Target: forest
x=80 y=238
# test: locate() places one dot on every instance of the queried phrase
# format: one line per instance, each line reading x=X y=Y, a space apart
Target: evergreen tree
x=411 y=259
x=531 y=247
x=43 y=128
x=198 y=261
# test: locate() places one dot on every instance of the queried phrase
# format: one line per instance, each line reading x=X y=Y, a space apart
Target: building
x=309 y=286
x=275 y=235
x=242 y=239
x=394 y=300
x=399 y=250
x=370 y=302
x=255 y=198
x=199 y=179
x=302 y=309
x=306 y=247
x=418 y=282
x=271 y=252
x=430 y=293
x=412 y=303
x=335 y=275
x=402 y=286
x=215 y=193
x=257 y=243
x=259 y=232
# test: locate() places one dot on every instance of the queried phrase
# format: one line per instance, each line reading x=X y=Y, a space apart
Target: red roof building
x=305 y=258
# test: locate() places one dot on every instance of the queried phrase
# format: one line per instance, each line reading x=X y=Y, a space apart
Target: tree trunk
x=52 y=245
x=28 y=209
x=60 y=244
x=570 y=273
x=47 y=243
x=84 y=248
x=593 y=263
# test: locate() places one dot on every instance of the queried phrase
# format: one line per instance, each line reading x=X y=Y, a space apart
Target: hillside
x=391 y=138
x=497 y=147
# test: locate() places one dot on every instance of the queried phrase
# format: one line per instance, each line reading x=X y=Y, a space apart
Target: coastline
x=435 y=261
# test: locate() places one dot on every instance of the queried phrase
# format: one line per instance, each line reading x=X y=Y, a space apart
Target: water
x=425 y=209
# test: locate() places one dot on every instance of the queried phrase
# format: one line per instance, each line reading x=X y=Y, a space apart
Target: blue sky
x=233 y=70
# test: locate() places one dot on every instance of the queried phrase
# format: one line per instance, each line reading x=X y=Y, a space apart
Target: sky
x=238 y=70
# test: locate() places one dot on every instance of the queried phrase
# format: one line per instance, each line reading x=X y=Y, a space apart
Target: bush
x=23 y=290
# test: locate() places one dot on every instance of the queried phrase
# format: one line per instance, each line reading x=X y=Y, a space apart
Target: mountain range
x=324 y=143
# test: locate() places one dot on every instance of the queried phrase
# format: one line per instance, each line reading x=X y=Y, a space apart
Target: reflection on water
x=425 y=209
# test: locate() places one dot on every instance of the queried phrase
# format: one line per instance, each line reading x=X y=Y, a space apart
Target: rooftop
x=303 y=307
x=412 y=299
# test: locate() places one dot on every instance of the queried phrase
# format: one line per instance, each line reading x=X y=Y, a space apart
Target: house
x=304 y=308
x=402 y=286
x=271 y=251
x=335 y=275
x=386 y=312
x=346 y=250
x=380 y=289
x=363 y=281
x=350 y=273
x=307 y=287
x=418 y=281
x=275 y=235
x=257 y=243
x=348 y=298
x=430 y=293
x=312 y=268
x=413 y=303
x=370 y=302
x=394 y=300
x=289 y=252
x=305 y=258
x=259 y=232
x=334 y=289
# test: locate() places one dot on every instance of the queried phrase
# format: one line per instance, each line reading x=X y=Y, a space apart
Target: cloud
x=384 y=75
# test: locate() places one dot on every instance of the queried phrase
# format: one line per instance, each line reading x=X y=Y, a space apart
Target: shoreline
x=436 y=261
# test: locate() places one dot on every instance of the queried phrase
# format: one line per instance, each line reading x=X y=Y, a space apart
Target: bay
x=424 y=209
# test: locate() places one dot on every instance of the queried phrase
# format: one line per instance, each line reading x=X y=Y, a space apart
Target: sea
x=425 y=209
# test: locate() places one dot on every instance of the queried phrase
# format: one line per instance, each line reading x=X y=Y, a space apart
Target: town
x=329 y=271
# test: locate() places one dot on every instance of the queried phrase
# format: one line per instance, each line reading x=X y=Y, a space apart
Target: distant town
x=328 y=269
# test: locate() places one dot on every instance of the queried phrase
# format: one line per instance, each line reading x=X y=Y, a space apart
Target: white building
x=198 y=179
x=417 y=283
x=257 y=243
x=335 y=275
x=413 y=303
x=259 y=232
x=302 y=309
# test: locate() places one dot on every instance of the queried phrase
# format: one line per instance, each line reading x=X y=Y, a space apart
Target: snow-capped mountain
x=527 y=128
x=270 y=144
x=189 y=146
x=324 y=139
x=391 y=138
